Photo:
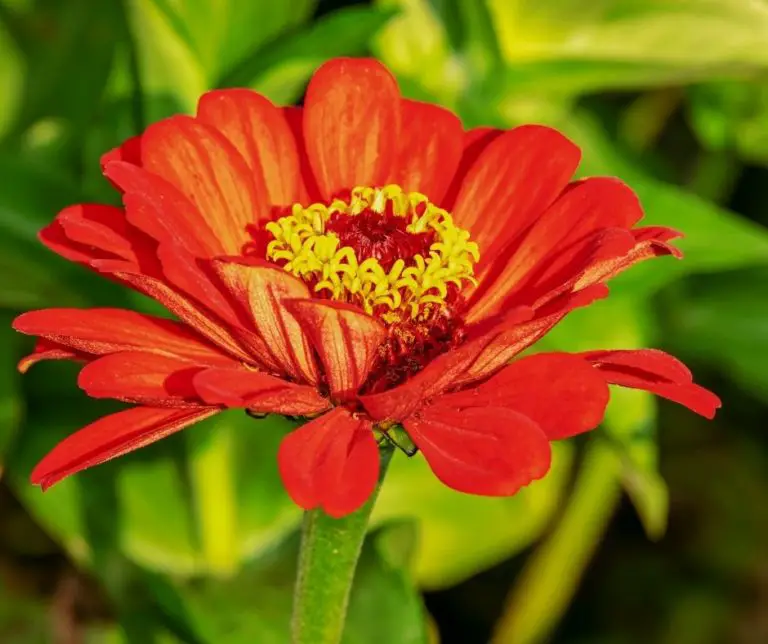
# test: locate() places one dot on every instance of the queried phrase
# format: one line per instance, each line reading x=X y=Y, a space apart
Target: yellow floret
x=411 y=285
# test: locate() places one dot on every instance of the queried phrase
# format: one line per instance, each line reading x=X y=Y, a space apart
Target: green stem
x=330 y=549
x=554 y=570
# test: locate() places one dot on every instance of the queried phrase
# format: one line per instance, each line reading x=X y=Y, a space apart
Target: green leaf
x=574 y=77
x=724 y=323
x=167 y=62
x=11 y=78
x=253 y=25
x=416 y=47
x=11 y=403
x=188 y=47
x=460 y=534
x=630 y=422
x=673 y=32
x=57 y=82
x=33 y=275
x=732 y=116
x=282 y=69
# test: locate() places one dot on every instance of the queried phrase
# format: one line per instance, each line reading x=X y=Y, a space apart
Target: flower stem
x=329 y=552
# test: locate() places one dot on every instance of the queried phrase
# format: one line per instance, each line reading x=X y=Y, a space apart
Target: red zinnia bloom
x=363 y=262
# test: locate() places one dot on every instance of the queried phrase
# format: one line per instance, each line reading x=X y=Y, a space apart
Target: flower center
x=394 y=254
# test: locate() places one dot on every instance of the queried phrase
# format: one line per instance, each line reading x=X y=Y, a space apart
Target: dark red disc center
x=382 y=236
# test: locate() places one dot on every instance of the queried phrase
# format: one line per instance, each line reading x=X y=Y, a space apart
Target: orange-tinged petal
x=514 y=339
x=351 y=124
x=141 y=377
x=48 y=350
x=345 y=338
x=331 y=462
x=196 y=316
x=294 y=116
x=474 y=142
x=483 y=450
x=261 y=287
x=100 y=227
x=649 y=242
x=160 y=210
x=210 y=172
x=102 y=331
x=553 y=241
x=195 y=278
x=128 y=151
x=258 y=392
x=113 y=436
x=515 y=178
x=431 y=145
x=261 y=134
x=86 y=232
x=657 y=372
x=603 y=245
x=561 y=393
x=55 y=238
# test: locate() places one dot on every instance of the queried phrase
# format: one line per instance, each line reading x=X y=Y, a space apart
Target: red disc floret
x=380 y=235
x=412 y=343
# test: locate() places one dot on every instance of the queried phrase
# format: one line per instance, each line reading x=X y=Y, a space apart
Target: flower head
x=362 y=262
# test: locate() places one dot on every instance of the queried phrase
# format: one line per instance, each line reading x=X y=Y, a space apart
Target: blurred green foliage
x=193 y=539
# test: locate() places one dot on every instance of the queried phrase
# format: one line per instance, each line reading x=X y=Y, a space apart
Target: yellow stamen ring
x=412 y=285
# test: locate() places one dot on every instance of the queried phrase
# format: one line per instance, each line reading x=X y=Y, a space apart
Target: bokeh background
x=652 y=529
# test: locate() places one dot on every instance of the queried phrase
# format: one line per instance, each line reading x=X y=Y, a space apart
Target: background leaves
x=193 y=539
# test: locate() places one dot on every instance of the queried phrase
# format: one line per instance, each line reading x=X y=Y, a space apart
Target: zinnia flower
x=361 y=262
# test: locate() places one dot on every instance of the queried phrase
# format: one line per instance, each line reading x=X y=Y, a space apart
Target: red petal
x=443 y=373
x=159 y=209
x=47 y=350
x=657 y=372
x=586 y=207
x=198 y=279
x=102 y=331
x=345 y=338
x=261 y=287
x=206 y=168
x=517 y=176
x=560 y=392
x=488 y=451
x=603 y=247
x=54 y=238
x=475 y=142
x=509 y=342
x=140 y=377
x=87 y=232
x=259 y=392
x=649 y=242
x=101 y=227
x=113 y=436
x=351 y=124
x=197 y=317
x=294 y=116
x=128 y=151
x=432 y=142
x=261 y=134
x=195 y=278
x=543 y=258
x=331 y=462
